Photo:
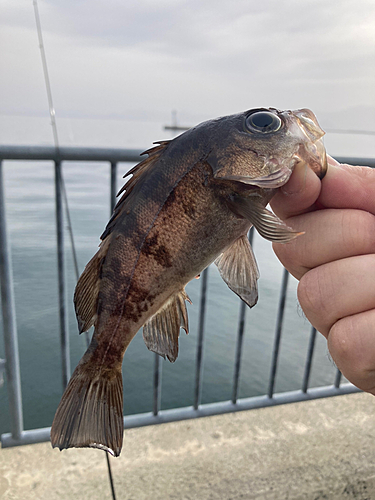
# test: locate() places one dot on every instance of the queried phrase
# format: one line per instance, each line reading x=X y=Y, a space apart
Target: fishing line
x=56 y=139
x=65 y=197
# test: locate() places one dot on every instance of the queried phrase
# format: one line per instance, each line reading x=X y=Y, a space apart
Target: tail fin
x=90 y=411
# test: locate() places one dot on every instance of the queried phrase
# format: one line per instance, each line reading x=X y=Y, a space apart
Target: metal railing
x=19 y=436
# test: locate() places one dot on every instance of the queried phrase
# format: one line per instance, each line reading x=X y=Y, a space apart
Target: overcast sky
x=139 y=59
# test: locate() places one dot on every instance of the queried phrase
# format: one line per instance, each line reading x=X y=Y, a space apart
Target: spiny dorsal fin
x=137 y=172
x=162 y=330
x=239 y=270
x=153 y=155
x=87 y=289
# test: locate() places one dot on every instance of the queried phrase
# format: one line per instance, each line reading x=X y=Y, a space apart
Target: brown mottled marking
x=158 y=251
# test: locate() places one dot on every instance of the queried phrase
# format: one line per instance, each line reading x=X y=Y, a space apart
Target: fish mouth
x=315 y=155
x=312 y=150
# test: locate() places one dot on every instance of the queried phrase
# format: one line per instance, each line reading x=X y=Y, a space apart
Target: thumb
x=298 y=195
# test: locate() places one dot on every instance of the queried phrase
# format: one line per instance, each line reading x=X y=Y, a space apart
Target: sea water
x=30 y=207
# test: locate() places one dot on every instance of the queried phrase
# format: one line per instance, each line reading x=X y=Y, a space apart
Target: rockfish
x=191 y=202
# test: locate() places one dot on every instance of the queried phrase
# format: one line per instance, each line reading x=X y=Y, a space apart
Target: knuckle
x=351 y=353
x=288 y=255
x=359 y=231
x=340 y=344
x=283 y=254
x=310 y=293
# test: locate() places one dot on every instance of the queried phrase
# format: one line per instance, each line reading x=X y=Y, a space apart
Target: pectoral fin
x=238 y=268
x=265 y=222
x=162 y=330
x=272 y=181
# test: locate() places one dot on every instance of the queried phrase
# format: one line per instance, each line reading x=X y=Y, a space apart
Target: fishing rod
x=54 y=126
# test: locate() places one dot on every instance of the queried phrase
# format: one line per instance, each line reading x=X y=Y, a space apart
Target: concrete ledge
x=321 y=449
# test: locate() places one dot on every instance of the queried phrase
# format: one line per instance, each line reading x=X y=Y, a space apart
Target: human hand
x=335 y=260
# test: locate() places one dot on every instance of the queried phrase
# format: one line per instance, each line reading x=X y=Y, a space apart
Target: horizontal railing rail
x=205 y=410
x=111 y=155
x=19 y=436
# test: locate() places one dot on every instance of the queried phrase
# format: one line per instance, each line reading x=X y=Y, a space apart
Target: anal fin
x=238 y=268
x=162 y=330
x=265 y=222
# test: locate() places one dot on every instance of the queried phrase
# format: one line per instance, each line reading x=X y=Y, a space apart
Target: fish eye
x=263 y=121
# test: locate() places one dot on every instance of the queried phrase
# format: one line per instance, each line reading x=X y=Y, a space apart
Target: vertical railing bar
x=112 y=201
x=2 y=369
x=199 y=364
x=12 y=362
x=64 y=335
x=338 y=379
x=113 y=190
x=310 y=352
x=157 y=384
x=241 y=329
x=279 y=324
x=70 y=228
x=74 y=252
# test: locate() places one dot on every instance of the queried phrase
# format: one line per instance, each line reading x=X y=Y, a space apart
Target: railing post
x=199 y=364
x=279 y=324
x=338 y=379
x=241 y=330
x=12 y=363
x=64 y=334
x=2 y=369
x=157 y=384
x=113 y=186
x=237 y=363
x=306 y=376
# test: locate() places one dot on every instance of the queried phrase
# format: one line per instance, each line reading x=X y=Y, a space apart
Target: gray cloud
x=203 y=57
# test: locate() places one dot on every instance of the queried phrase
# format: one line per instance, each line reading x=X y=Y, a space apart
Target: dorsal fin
x=137 y=172
x=87 y=289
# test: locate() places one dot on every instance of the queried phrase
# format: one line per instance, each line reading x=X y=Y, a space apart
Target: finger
x=328 y=293
x=298 y=195
x=352 y=347
x=330 y=235
x=332 y=161
x=345 y=186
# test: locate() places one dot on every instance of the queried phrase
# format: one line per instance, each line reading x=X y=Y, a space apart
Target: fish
x=189 y=203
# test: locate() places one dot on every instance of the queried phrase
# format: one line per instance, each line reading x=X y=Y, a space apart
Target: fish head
x=262 y=146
